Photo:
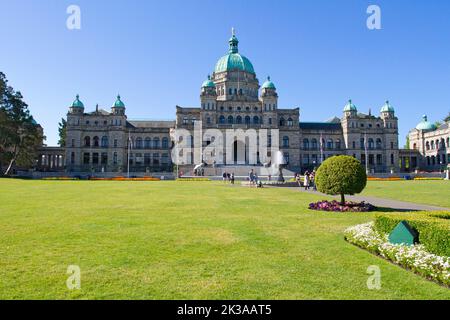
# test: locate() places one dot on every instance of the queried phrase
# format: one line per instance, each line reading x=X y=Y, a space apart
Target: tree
x=62 y=132
x=341 y=175
x=407 y=143
x=447 y=118
x=20 y=135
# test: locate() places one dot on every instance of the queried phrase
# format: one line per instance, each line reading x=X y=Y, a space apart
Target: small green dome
x=208 y=83
x=234 y=60
x=268 y=84
x=425 y=125
x=350 y=107
x=77 y=103
x=387 y=107
x=119 y=103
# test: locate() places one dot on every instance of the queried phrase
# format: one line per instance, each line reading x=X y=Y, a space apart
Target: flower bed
x=385 y=179
x=336 y=206
x=415 y=258
x=426 y=179
x=125 y=179
x=193 y=179
x=60 y=178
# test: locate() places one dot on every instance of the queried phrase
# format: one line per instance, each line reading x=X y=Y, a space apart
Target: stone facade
x=432 y=144
x=231 y=98
x=100 y=141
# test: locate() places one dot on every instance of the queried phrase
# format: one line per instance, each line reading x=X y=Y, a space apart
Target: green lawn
x=436 y=193
x=184 y=240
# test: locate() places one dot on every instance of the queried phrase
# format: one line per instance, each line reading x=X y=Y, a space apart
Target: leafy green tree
x=447 y=118
x=341 y=175
x=407 y=143
x=20 y=135
x=62 y=132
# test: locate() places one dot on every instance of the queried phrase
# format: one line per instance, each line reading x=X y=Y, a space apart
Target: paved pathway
x=383 y=203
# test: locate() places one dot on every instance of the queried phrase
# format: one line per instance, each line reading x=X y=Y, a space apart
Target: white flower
x=413 y=257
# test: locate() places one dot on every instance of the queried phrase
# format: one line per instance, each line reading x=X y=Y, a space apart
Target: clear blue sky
x=157 y=53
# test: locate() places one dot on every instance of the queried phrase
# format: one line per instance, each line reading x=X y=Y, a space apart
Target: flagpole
x=367 y=152
x=129 y=150
x=321 y=148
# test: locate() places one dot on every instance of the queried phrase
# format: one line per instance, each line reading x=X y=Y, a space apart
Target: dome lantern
x=350 y=107
x=425 y=125
x=208 y=83
x=77 y=103
x=234 y=60
x=119 y=103
x=268 y=84
x=387 y=107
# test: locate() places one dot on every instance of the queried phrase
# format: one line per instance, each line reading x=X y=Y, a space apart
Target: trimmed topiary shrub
x=341 y=175
x=433 y=228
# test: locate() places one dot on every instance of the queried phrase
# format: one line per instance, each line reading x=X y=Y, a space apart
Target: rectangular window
x=115 y=143
x=156 y=159
x=104 y=158
x=95 y=158
x=86 y=158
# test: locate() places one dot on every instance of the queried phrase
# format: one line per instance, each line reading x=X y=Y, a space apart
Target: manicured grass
x=436 y=193
x=184 y=240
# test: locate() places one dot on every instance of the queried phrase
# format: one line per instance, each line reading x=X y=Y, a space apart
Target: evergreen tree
x=20 y=135
x=62 y=132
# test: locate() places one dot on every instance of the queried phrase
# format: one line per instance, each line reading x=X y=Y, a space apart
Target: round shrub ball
x=341 y=175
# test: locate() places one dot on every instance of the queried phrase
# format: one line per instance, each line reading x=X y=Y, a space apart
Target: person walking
x=306 y=183
x=232 y=178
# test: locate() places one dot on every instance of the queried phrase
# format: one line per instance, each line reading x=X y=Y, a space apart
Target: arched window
x=87 y=141
x=282 y=122
x=185 y=120
x=330 y=144
x=138 y=143
x=238 y=119
x=165 y=143
x=414 y=146
x=104 y=142
x=247 y=120
x=338 y=144
x=427 y=145
x=148 y=143
x=285 y=142
x=290 y=122
x=371 y=144
x=314 y=144
x=96 y=142
x=221 y=120
x=305 y=144
x=256 y=120
x=230 y=120
x=156 y=143
x=379 y=143
x=432 y=145
x=448 y=142
x=362 y=143
x=115 y=158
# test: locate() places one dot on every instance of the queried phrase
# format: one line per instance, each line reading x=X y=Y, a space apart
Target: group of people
x=228 y=177
x=308 y=180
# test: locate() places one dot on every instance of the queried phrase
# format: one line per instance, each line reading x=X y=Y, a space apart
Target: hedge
x=433 y=228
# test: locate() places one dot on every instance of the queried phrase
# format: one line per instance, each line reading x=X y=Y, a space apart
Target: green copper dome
x=233 y=60
x=350 y=107
x=268 y=84
x=387 y=107
x=208 y=83
x=77 y=103
x=425 y=125
x=119 y=103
